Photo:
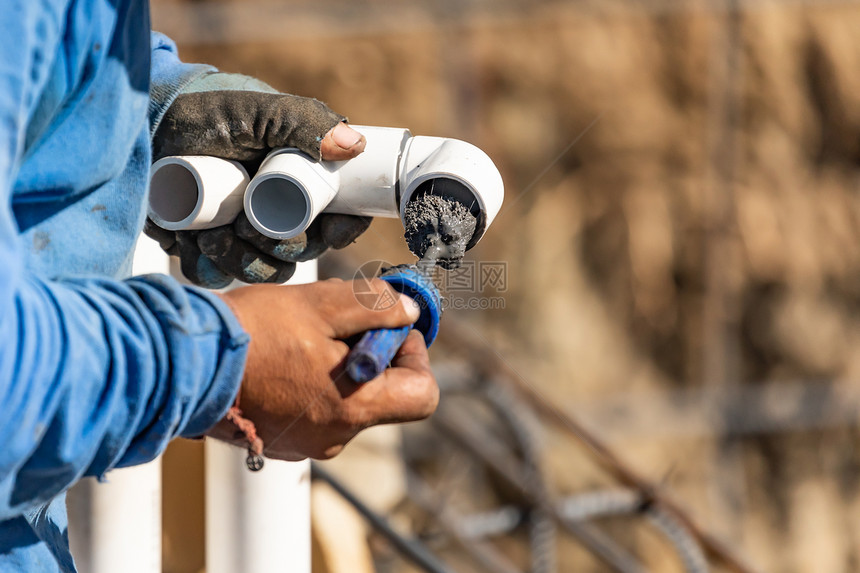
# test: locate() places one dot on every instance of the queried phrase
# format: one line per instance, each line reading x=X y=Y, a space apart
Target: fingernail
x=344 y=136
x=410 y=306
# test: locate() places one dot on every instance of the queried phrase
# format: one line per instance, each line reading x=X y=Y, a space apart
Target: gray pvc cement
x=437 y=229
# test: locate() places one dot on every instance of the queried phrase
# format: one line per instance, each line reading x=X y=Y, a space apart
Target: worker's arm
x=94 y=373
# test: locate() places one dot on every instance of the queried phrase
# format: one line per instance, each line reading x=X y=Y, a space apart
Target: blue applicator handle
x=376 y=348
x=374 y=352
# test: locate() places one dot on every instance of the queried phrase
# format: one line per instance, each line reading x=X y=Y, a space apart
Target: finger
x=338 y=230
x=166 y=239
x=287 y=250
x=316 y=245
x=352 y=307
x=403 y=393
x=241 y=259
x=412 y=354
x=299 y=122
x=342 y=142
x=196 y=266
x=304 y=247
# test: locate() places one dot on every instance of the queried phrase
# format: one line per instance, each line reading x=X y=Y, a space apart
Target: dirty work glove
x=240 y=118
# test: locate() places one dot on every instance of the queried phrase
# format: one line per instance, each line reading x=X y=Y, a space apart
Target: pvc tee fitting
x=290 y=190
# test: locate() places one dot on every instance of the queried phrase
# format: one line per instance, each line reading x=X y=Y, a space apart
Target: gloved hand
x=240 y=118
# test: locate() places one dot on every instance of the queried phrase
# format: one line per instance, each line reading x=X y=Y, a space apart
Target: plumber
x=100 y=371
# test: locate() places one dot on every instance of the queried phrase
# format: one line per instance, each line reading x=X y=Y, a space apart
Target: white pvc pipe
x=258 y=522
x=196 y=192
x=116 y=525
x=287 y=193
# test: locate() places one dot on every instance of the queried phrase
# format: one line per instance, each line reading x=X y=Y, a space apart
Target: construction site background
x=680 y=236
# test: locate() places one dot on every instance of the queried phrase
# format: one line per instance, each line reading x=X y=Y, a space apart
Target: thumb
x=300 y=122
x=243 y=125
x=342 y=142
x=403 y=393
x=353 y=307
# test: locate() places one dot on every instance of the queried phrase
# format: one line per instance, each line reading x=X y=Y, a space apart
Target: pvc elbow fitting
x=290 y=189
x=442 y=166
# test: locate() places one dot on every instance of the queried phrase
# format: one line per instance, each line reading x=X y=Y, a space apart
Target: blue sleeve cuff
x=207 y=348
x=168 y=77
x=103 y=374
x=222 y=393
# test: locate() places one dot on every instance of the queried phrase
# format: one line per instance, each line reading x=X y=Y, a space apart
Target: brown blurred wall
x=682 y=213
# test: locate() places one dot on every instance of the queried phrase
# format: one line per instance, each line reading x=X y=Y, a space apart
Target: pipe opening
x=173 y=193
x=446 y=186
x=279 y=205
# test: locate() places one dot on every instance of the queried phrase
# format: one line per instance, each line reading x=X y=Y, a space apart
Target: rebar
x=411 y=549
x=481 y=553
x=468 y=340
x=484 y=448
x=542 y=527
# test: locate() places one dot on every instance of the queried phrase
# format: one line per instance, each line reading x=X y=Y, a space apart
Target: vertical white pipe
x=258 y=522
x=116 y=525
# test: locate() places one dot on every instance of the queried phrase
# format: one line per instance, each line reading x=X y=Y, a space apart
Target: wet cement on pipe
x=438 y=229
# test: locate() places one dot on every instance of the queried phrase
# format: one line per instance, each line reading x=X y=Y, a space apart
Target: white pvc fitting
x=195 y=192
x=290 y=190
x=368 y=184
x=442 y=166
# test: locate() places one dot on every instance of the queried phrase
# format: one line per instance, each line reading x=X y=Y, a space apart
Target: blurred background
x=675 y=273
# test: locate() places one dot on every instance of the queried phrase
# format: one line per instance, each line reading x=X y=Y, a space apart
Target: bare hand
x=295 y=388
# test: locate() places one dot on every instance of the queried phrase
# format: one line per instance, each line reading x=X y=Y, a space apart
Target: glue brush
x=438 y=228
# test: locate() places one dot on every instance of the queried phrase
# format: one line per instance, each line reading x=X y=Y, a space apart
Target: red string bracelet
x=254 y=461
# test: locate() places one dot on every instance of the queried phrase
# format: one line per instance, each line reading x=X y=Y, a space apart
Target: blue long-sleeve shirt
x=95 y=372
